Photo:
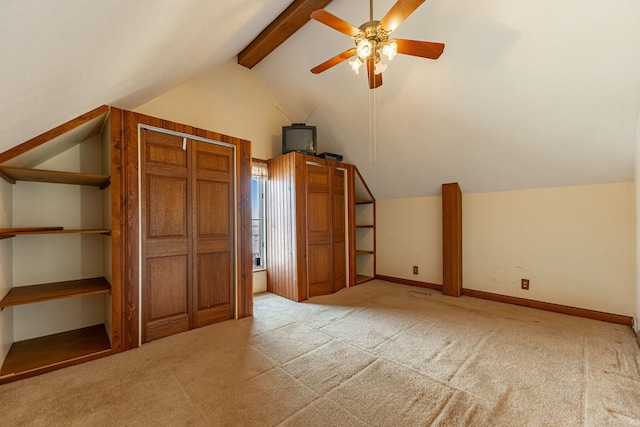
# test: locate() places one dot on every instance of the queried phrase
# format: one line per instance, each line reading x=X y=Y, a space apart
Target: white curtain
x=259 y=169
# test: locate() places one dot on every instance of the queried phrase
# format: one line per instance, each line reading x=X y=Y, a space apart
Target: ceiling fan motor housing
x=378 y=37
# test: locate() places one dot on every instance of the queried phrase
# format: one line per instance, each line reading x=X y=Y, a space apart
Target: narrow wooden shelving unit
x=51 y=291
x=364 y=231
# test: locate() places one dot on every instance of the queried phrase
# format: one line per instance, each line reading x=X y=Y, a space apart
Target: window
x=258 y=183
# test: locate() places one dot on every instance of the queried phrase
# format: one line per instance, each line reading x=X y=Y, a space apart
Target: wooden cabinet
x=187 y=234
x=65 y=304
x=306 y=226
x=190 y=190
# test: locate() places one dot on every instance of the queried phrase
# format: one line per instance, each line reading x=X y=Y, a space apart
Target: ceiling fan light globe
x=355 y=65
x=379 y=68
x=364 y=49
x=390 y=50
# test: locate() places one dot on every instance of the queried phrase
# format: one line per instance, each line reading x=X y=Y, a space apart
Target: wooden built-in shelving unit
x=31 y=356
x=365 y=227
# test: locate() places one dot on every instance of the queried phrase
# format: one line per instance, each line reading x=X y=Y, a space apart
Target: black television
x=299 y=137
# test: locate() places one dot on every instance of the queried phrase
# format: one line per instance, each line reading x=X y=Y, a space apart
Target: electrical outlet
x=524 y=284
x=415 y=269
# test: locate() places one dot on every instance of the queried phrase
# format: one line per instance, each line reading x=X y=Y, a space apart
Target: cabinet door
x=339 y=230
x=213 y=246
x=166 y=228
x=319 y=230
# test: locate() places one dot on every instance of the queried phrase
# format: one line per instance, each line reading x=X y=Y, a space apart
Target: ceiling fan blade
x=398 y=13
x=428 y=50
x=334 y=22
x=334 y=61
x=375 y=80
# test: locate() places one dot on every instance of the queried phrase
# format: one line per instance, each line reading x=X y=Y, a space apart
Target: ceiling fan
x=372 y=40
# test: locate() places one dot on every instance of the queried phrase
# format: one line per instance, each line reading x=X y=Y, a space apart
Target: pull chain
x=373 y=143
x=373 y=140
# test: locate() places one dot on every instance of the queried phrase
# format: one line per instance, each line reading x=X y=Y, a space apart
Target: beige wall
x=578 y=247
x=637 y=231
x=575 y=244
x=259 y=281
x=28 y=260
x=408 y=233
x=6 y=272
x=232 y=100
x=71 y=207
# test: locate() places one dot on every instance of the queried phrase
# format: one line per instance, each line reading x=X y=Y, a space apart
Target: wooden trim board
x=539 y=305
x=547 y=306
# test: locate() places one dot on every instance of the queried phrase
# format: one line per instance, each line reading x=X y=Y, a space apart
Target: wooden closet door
x=319 y=230
x=339 y=230
x=166 y=228
x=213 y=246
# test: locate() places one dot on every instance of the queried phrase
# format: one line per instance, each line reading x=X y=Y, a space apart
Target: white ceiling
x=60 y=59
x=527 y=94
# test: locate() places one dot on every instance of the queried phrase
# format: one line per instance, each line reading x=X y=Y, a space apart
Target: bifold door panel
x=187 y=233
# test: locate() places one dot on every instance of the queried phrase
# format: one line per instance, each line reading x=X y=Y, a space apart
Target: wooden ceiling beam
x=284 y=26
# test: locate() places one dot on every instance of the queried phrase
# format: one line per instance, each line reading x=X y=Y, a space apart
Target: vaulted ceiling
x=527 y=94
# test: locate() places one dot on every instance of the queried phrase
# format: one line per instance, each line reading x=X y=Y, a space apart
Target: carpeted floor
x=376 y=354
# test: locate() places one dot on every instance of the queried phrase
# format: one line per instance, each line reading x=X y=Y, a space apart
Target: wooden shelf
x=12 y=175
x=364 y=225
x=363 y=201
x=361 y=279
x=363 y=252
x=38 y=355
x=50 y=291
x=12 y=232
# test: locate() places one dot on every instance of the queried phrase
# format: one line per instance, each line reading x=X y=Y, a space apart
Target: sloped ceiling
x=61 y=59
x=527 y=94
